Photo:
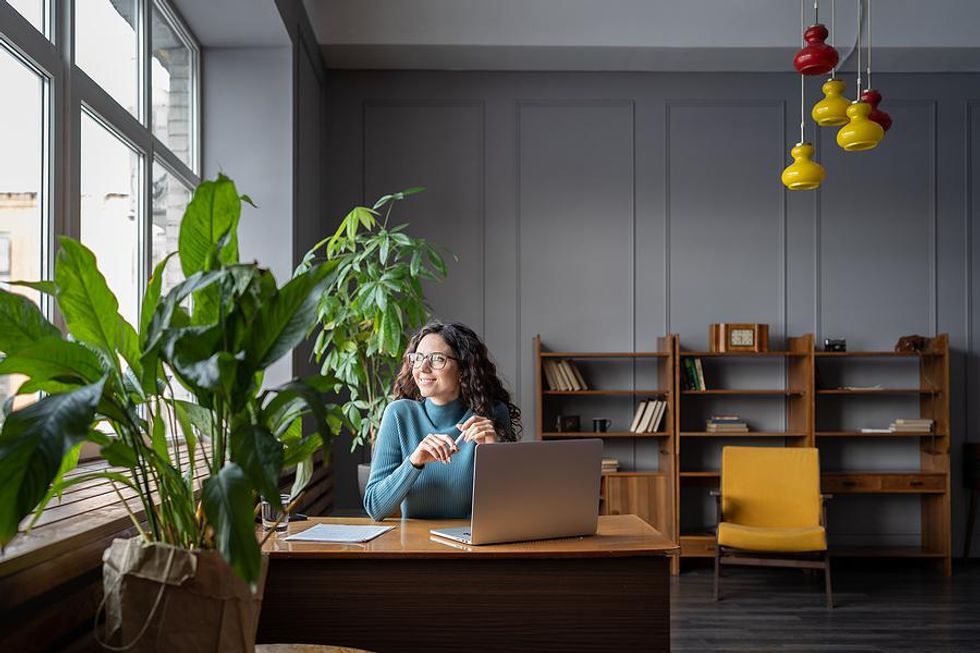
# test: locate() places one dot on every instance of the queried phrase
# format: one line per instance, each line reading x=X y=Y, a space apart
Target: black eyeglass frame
x=422 y=357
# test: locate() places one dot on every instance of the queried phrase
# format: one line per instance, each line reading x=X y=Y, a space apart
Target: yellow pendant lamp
x=860 y=133
x=832 y=110
x=804 y=173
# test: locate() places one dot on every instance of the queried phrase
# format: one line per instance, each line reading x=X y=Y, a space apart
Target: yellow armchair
x=770 y=511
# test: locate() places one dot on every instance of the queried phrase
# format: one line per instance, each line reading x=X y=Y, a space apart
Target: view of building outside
x=105 y=47
x=21 y=117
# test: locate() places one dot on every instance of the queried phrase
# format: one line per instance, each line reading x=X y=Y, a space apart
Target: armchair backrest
x=770 y=486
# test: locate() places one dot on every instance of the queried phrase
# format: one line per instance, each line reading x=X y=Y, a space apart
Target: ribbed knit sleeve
x=392 y=473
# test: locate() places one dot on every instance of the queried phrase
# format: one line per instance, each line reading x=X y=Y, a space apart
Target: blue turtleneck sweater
x=438 y=491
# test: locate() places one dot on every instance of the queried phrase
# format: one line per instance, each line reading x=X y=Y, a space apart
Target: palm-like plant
x=371 y=303
x=106 y=373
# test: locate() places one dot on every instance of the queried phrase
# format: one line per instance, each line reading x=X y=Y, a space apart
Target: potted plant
x=371 y=303
x=111 y=383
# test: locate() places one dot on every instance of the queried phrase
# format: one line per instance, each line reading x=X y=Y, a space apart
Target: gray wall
x=602 y=210
x=248 y=107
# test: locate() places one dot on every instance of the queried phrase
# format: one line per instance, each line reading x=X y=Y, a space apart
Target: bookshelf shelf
x=743 y=434
x=890 y=434
x=745 y=392
x=743 y=354
x=604 y=393
x=880 y=391
x=554 y=435
x=873 y=354
x=604 y=354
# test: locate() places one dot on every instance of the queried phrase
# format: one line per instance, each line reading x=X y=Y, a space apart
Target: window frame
x=69 y=91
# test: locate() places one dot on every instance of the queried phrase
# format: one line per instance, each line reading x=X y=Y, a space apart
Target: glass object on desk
x=271 y=515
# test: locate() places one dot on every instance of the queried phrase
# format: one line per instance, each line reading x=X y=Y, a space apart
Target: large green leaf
x=33 y=444
x=151 y=298
x=54 y=359
x=283 y=322
x=228 y=503
x=164 y=315
x=213 y=211
x=90 y=309
x=260 y=455
x=21 y=323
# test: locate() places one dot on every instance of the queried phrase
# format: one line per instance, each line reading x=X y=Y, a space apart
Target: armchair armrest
x=824 y=498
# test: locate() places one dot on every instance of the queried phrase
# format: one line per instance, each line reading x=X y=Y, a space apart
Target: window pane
x=105 y=47
x=110 y=207
x=21 y=178
x=170 y=198
x=32 y=10
x=172 y=99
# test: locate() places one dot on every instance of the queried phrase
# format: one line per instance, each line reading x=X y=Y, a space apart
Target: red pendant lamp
x=870 y=95
x=816 y=57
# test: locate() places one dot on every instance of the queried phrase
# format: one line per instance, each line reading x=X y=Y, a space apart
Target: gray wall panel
x=440 y=147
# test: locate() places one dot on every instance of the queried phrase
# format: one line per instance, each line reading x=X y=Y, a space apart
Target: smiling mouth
x=426 y=380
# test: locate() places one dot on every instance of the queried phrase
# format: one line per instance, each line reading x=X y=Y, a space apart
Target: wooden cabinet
x=645 y=494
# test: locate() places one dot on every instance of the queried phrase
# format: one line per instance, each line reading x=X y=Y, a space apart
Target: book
x=700 y=374
x=867 y=430
x=647 y=420
x=578 y=376
x=566 y=381
x=658 y=416
x=637 y=416
x=549 y=374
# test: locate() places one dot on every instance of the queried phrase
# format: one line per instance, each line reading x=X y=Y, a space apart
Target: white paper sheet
x=348 y=533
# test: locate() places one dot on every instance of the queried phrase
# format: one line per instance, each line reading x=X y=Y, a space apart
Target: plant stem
x=132 y=516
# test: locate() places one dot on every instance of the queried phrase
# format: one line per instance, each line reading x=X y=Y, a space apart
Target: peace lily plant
x=115 y=384
x=372 y=303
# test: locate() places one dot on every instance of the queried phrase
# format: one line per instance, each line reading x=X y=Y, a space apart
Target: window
x=172 y=71
x=106 y=48
x=170 y=198
x=110 y=211
x=136 y=140
x=35 y=11
x=22 y=114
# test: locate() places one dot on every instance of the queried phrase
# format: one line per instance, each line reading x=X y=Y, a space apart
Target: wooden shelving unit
x=656 y=495
x=796 y=394
x=647 y=493
x=931 y=481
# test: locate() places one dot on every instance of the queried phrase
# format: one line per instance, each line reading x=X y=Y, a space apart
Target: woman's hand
x=478 y=429
x=435 y=447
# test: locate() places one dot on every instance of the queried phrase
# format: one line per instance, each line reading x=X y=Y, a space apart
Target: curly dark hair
x=480 y=387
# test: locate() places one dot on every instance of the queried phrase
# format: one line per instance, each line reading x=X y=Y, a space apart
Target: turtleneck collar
x=446 y=416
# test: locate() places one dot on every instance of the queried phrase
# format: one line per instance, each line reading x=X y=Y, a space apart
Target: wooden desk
x=408 y=590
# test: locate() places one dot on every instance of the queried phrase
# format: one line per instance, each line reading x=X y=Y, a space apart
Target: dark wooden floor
x=882 y=608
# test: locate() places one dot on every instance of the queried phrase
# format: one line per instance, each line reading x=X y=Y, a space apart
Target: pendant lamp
x=870 y=95
x=816 y=57
x=859 y=133
x=831 y=111
x=804 y=173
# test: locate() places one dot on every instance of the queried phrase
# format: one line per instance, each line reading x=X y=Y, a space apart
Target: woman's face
x=440 y=385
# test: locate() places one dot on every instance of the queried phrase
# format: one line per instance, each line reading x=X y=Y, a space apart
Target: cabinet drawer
x=844 y=483
x=914 y=483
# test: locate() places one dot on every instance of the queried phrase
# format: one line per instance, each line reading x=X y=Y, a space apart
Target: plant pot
x=163 y=598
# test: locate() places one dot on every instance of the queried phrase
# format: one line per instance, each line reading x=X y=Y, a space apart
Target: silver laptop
x=532 y=491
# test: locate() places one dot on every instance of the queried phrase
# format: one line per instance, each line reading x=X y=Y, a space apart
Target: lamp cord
x=833 y=31
x=869 y=45
x=860 y=7
x=802 y=30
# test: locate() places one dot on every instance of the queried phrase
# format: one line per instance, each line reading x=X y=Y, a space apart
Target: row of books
x=563 y=375
x=610 y=465
x=648 y=416
x=692 y=374
x=904 y=426
x=726 y=424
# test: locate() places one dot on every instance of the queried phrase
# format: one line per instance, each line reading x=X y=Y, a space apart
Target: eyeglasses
x=436 y=359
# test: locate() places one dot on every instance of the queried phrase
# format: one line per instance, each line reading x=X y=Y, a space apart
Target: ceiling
x=688 y=35
x=234 y=23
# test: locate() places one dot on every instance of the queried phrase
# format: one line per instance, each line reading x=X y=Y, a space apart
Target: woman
x=448 y=400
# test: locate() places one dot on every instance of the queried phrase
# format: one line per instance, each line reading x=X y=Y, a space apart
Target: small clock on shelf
x=728 y=336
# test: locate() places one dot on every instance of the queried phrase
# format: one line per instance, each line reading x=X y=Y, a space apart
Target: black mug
x=601 y=424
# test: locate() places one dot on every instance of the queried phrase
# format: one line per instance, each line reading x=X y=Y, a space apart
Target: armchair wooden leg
x=826 y=574
x=717 y=568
